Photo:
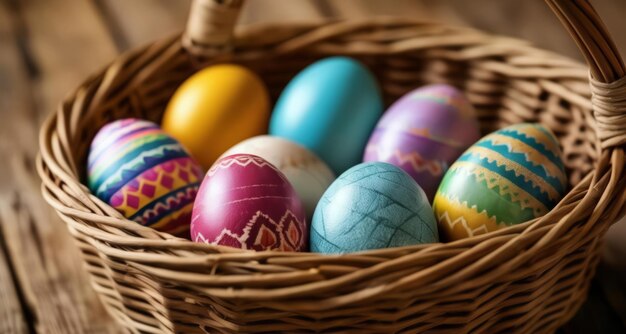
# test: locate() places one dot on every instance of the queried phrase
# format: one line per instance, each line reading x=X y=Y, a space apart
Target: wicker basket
x=526 y=278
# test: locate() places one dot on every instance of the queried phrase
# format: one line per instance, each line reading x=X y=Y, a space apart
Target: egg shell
x=307 y=173
x=424 y=132
x=215 y=109
x=372 y=205
x=508 y=177
x=145 y=174
x=330 y=107
x=245 y=202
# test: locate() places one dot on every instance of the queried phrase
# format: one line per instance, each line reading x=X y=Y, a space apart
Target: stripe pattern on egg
x=424 y=132
x=508 y=177
x=145 y=174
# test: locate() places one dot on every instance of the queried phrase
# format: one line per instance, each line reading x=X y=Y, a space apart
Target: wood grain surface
x=47 y=47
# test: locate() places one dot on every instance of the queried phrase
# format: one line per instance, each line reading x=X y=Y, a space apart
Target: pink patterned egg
x=245 y=202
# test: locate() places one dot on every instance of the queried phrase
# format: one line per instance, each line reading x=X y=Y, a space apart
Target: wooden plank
x=67 y=41
x=360 y=9
x=48 y=47
x=505 y=17
x=134 y=23
x=280 y=11
x=12 y=319
x=12 y=316
x=529 y=20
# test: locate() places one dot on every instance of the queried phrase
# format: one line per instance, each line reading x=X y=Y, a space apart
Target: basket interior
x=506 y=80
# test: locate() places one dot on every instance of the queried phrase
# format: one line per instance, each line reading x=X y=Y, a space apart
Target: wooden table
x=47 y=47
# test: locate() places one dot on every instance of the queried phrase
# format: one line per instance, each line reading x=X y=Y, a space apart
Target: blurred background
x=47 y=47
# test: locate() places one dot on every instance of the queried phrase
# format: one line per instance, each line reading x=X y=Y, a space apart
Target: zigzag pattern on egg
x=242 y=161
x=145 y=174
x=532 y=156
x=157 y=181
x=171 y=203
x=414 y=159
x=523 y=180
x=551 y=153
x=419 y=164
x=129 y=143
x=282 y=234
x=454 y=214
x=502 y=186
x=478 y=194
x=128 y=171
x=113 y=132
x=445 y=219
x=176 y=223
x=537 y=134
x=162 y=196
x=520 y=158
x=511 y=176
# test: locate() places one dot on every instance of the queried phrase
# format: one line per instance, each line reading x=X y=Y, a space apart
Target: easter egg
x=215 y=109
x=245 y=202
x=330 y=107
x=372 y=205
x=145 y=174
x=508 y=177
x=423 y=133
x=308 y=175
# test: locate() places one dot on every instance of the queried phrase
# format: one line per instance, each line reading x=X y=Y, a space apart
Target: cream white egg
x=306 y=172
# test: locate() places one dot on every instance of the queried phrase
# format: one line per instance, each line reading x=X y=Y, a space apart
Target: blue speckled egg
x=372 y=205
x=330 y=107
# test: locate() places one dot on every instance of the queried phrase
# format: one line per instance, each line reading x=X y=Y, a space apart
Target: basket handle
x=211 y=24
x=608 y=73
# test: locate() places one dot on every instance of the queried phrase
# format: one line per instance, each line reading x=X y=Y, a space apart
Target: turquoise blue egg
x=372 y=205
x=330 y=107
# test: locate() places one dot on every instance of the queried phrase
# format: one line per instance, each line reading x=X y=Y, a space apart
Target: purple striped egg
x=423 y=133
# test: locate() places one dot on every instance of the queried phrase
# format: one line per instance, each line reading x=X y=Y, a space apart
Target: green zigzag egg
x=508 y=177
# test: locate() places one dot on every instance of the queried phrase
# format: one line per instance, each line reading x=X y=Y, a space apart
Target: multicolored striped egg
x=246 y=202
x=508 y=177
x=423 y=133
x=145 y=174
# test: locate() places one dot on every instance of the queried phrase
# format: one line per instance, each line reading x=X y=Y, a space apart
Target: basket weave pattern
x=527 y=278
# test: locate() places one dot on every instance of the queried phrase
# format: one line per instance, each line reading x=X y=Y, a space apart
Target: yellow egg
x=215 y=109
